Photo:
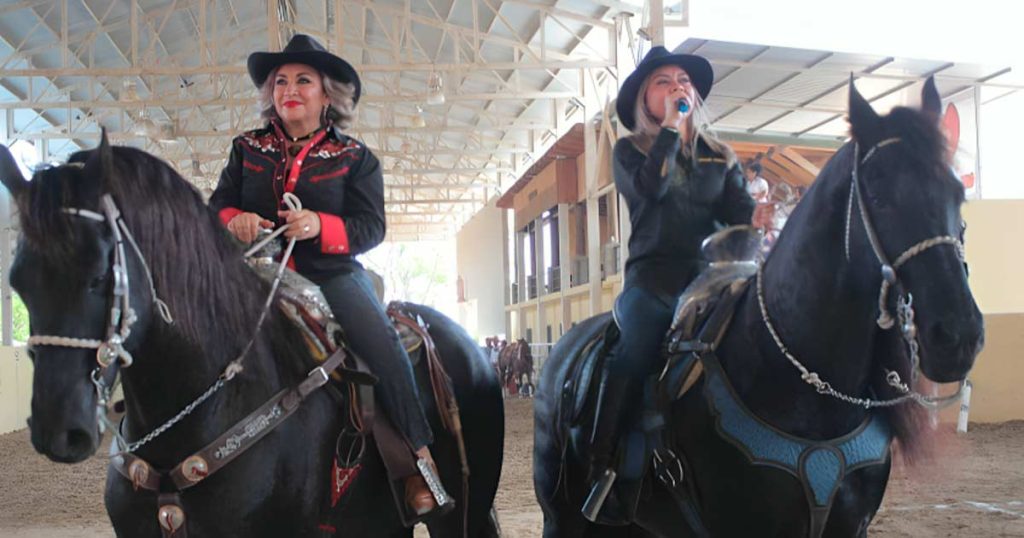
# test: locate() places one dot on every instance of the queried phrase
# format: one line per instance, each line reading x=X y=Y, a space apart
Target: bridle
x=885 y=321
x=111 y=355
x=122 y=316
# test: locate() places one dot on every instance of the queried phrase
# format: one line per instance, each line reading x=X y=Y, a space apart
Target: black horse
x=65 y=269
x=821 y=294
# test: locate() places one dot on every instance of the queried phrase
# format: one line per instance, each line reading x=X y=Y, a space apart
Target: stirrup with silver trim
x=443 y=499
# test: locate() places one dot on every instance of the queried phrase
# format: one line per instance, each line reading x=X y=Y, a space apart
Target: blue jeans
x=643 y=318
x=371 y=336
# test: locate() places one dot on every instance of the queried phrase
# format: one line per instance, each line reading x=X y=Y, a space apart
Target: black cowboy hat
x=303 y=49
x=699 y=69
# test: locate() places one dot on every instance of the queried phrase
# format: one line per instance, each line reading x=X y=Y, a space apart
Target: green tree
x=20 y=318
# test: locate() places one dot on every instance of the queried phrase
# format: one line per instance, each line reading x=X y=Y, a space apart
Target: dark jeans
x=643 y=318
x=370 y=334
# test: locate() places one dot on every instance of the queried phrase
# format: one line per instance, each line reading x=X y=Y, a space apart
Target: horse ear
x=864 y=122
x=102 y=158
x=10 y=174
x=931 y=101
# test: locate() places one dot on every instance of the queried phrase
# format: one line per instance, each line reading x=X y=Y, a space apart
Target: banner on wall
x=960 y=123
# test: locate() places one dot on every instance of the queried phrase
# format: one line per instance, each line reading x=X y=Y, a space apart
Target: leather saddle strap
x=714 y=328
x=362 y=406
x=246 y=432
x=439 y=380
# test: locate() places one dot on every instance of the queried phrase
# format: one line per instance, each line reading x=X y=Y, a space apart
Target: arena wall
x=994 y=229
x=15 y=387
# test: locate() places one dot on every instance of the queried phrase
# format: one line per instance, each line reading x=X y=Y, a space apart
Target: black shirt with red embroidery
x=339 y=178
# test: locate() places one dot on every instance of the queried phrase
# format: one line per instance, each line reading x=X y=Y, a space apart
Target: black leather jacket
x=340 y=179
x=673 y=205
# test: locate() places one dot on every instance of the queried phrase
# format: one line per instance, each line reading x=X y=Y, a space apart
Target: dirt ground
x=977 y=493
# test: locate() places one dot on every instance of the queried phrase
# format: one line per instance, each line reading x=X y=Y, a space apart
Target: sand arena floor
x=979 y=492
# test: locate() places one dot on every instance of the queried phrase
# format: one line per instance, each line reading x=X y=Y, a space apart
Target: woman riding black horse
x=681 y=184
x=307 y=95
x=807 y=380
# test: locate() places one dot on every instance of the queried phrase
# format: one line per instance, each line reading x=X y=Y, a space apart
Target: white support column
x=564 y=269
x=656 y=26
x=593 y=220
x=508 y=267
x=540 y=271
x=624 y=65
x=977 y=137
x=519 y=312
x=6 y=309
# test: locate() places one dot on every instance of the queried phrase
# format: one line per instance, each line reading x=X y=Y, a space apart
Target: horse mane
x=194 y=261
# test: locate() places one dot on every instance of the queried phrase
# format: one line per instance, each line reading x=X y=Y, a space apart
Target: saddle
x=304 y=304
x=701 y=316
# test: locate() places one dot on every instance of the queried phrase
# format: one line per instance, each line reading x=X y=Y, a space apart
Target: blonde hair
x=647 y=127
x=340 y=111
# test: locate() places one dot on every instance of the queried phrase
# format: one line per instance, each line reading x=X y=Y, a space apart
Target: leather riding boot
x=418 y=495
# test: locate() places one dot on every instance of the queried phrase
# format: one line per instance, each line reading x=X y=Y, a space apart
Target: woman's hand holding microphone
x=677 y=109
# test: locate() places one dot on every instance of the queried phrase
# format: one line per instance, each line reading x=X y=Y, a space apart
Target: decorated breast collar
x=820 y=466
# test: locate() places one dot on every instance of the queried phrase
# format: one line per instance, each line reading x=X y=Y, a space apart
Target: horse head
x=66 y=274
x=908 y=240
x=102 y=237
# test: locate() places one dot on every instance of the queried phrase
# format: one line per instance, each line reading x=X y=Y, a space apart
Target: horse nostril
x=79 y=442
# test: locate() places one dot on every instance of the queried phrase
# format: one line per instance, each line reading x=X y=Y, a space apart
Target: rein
x=885 y=321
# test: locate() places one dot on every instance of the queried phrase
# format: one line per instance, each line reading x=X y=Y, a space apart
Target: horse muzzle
x=949 y=347
x=64 y=444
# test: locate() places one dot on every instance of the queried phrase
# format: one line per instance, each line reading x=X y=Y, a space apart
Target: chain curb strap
x=904 y=305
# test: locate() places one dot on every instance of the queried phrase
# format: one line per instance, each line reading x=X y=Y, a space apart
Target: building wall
x=994 y=232
x=15 y=388
x=994 y=229
x=998 y=374
x=478 y=260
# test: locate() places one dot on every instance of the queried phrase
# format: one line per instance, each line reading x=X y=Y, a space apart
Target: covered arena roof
x=461 y=97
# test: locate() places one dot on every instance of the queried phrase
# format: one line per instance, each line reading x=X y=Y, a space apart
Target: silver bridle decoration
x=111 y=352
x=122 y=315
x=885 y=321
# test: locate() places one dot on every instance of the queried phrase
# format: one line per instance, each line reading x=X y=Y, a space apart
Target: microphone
x=683 y=106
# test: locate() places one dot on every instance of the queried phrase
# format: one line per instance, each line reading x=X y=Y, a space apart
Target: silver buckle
x=323 y=375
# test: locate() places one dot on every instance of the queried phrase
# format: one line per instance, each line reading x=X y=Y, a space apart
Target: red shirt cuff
x=229 y=213
x=333 y=236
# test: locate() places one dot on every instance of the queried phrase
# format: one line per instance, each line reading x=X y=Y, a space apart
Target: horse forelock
x=44 y=224
x=194 y=262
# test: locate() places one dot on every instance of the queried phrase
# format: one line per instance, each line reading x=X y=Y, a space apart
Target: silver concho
x=171 y=517
x=138 y=471
x=106 y=355
x=195 y=469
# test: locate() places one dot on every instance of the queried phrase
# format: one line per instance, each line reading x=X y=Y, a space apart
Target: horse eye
x=97 y=283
